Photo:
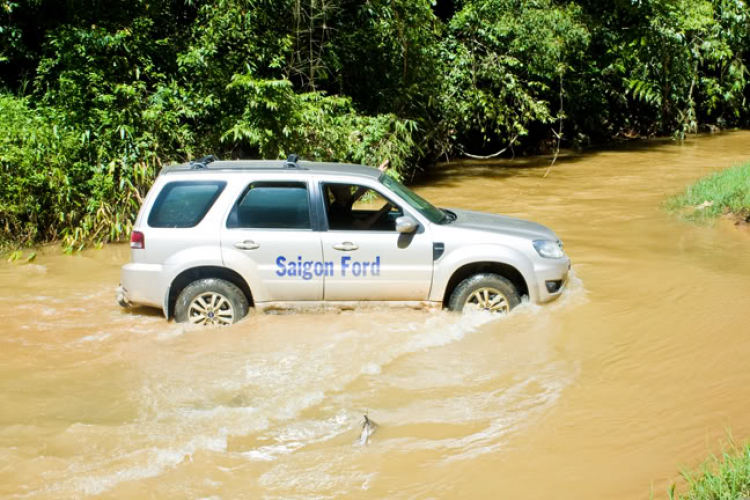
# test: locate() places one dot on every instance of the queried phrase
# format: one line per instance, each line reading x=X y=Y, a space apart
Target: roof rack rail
x=202 y=163
x=292 y=161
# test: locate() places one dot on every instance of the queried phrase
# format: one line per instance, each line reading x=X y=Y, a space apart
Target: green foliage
x=388 y=56
x=17 y=256
x=277 y=121
x=97 y=95
x=9 y=33
x=505 y=59
x=52 y=185
x=42 y=173
x=725 y=191
x=13 y=47
x=720 y=478
x=685 y=62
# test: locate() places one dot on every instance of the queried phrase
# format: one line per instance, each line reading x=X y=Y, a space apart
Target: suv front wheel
x=488 y=292
x=211 y=301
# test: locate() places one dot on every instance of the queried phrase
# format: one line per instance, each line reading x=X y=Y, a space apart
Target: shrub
x=43 y=174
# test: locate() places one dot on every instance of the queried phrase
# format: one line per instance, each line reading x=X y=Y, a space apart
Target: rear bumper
x=555 y=274
x=139 y=285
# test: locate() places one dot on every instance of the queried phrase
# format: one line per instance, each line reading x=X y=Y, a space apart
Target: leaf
x=15 y=255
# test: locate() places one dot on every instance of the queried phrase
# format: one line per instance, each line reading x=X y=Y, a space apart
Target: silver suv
x=214 y=238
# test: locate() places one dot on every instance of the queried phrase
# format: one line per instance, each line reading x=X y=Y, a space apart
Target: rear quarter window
x=184 y=204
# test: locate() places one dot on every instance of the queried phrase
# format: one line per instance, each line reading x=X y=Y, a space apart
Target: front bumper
x=552 y=278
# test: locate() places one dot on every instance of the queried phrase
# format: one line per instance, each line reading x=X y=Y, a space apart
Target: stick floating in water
x=368 y=429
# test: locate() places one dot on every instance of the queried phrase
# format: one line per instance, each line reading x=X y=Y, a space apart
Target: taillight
x=137 y=240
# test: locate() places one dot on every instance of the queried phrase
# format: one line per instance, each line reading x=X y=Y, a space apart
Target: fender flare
x=184 y=260
x=446 y=267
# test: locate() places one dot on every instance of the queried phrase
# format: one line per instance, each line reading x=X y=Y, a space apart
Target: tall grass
x=720 y=478
x=725 y=191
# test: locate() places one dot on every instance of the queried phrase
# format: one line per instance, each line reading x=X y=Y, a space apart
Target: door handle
x=346 y=246
x=247 y=245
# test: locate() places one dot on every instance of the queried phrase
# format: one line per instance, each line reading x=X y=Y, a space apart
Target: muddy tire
x=211 y=301
x=490 y=292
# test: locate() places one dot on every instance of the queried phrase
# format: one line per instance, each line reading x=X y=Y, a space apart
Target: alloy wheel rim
x=488 y=299
x=211 y=308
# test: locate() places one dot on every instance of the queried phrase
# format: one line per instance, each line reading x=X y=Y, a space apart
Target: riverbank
x=727 y=476
x=725 y=193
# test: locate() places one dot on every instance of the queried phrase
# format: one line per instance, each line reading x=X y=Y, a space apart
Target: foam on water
x=289 y=382
x=97 y=337
x=288 y=396
x=154 y=460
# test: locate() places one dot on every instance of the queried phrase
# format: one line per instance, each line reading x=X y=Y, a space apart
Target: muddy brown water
x=636 y=372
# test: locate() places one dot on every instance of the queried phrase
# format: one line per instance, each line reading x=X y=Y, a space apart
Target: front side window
x=184 y=204
x=272 y=205
x=351 y=207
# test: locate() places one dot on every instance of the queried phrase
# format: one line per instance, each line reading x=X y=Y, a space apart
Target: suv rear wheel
x=211 y=301
x=488 y=292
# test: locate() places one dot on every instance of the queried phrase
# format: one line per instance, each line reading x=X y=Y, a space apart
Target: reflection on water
x=637 y=370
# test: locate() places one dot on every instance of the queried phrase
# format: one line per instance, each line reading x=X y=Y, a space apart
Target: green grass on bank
x=722 y=192
x=720 y=478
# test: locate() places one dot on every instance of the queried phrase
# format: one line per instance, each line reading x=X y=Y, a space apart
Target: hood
x=500 y=224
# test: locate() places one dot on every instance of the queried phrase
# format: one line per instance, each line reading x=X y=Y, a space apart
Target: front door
x=369 y=260
x=268 y=238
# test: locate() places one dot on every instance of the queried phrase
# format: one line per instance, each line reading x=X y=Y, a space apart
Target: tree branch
x=476 y=157
x=558 y=135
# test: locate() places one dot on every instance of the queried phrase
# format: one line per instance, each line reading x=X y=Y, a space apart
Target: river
x=637 y=371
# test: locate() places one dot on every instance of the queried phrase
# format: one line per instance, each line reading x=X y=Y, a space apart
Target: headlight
x=549 y=249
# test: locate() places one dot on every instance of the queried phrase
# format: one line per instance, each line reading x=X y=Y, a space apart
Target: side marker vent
x=437 y=250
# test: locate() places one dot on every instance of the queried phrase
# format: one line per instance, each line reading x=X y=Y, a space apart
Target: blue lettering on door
x=307 y=269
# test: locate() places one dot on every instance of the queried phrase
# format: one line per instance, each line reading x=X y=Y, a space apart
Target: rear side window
x=184 y=204
x=272 y=205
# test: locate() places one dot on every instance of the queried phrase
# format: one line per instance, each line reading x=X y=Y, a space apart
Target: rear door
x=268 y=237
x=369 y=260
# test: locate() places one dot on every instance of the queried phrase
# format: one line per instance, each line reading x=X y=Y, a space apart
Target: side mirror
x=406 y=224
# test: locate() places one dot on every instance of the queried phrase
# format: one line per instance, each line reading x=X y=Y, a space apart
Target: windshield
x=424 y=207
